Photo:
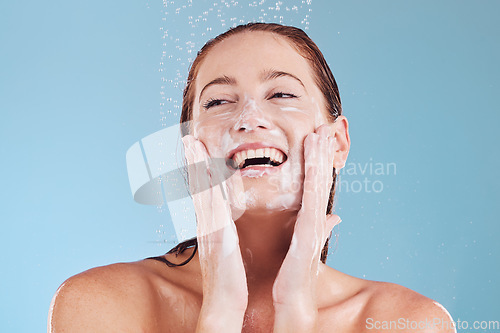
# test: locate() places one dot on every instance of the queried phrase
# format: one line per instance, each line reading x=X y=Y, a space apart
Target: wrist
x=217 y=318
x=223 y=301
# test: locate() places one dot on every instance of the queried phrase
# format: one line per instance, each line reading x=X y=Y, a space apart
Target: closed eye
x=283 y=95
x=214 y=102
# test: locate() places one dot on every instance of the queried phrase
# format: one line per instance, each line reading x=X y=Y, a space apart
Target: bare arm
x=225 y=293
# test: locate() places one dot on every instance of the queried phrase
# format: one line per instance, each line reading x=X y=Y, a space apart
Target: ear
x=340 y=131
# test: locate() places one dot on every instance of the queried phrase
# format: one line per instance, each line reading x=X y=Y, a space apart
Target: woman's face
x=256 y=96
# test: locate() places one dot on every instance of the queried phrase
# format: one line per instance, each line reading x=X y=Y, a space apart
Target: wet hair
x=323 y=77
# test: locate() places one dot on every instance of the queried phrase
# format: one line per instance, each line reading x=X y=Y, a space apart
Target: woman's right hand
x=225 y=293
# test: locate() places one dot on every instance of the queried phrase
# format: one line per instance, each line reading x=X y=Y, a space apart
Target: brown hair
x=322 y=74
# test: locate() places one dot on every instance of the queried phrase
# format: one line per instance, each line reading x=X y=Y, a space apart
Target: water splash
x=187 y=25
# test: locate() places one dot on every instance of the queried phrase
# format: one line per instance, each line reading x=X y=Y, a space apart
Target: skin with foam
x=286 y=121
x=257 y=270
x=272 y=104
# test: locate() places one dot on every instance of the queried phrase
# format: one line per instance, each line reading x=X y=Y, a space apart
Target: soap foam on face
x=283 y=202
x=293 y=109
x=250 y=108
x=287 y=183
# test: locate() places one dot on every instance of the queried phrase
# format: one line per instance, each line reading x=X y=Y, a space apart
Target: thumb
x=331 y=221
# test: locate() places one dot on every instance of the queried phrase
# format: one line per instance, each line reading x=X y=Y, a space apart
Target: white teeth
x=273 y=154
x=278 y=157
x=241 y=163
x=237 y=158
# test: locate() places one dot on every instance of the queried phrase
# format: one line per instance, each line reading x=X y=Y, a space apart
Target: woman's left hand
x=294 y=290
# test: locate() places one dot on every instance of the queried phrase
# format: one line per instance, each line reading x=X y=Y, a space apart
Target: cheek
x=214 y=136
x=320 y=115
x=305 y=116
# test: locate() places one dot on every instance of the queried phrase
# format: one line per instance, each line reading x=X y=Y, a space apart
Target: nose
x=251 y=118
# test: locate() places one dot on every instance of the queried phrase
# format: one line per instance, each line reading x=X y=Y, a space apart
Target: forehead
x=249 y=53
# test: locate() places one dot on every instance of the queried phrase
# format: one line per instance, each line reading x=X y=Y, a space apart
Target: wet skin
x=257 y=268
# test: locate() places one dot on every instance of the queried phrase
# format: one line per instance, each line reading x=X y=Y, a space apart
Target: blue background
x=80 y=82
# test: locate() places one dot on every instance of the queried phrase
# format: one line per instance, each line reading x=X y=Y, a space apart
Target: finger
x=214 y=201
x=311 y=227
x=316 y=190
x=310 y=193
x=328 y=152
x=331 y=221
x=196 y=166
x=311 y=221
x=326 y=162
x=218 y=189
x=203 y=175
x=202 y=195
x=323 y=130
x=193 y=168
x=326 y=131
x=326 y=173
x=219 y=227
x=195 y=172
x=323 y=182
x=236 y=195
x=187 y=142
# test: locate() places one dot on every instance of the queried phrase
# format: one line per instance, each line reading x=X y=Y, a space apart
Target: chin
x=265 y=204
x=288 y=201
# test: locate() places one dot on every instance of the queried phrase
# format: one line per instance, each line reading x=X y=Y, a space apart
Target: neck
x=264 y=242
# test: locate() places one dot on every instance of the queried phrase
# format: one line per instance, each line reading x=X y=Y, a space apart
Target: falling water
x=187 y=25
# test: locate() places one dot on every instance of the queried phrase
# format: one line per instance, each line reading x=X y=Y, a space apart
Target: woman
x=261 y=97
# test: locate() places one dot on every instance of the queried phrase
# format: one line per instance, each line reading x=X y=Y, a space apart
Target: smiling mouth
x=262 y=157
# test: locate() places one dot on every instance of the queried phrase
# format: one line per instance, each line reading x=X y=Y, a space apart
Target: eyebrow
x=266 y=75
x=220 y=80
x=274 y=74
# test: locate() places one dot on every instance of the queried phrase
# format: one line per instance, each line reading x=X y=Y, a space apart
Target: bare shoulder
x=106 y=298
x=357 y=305
x=123 y=297
x=393 y=308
